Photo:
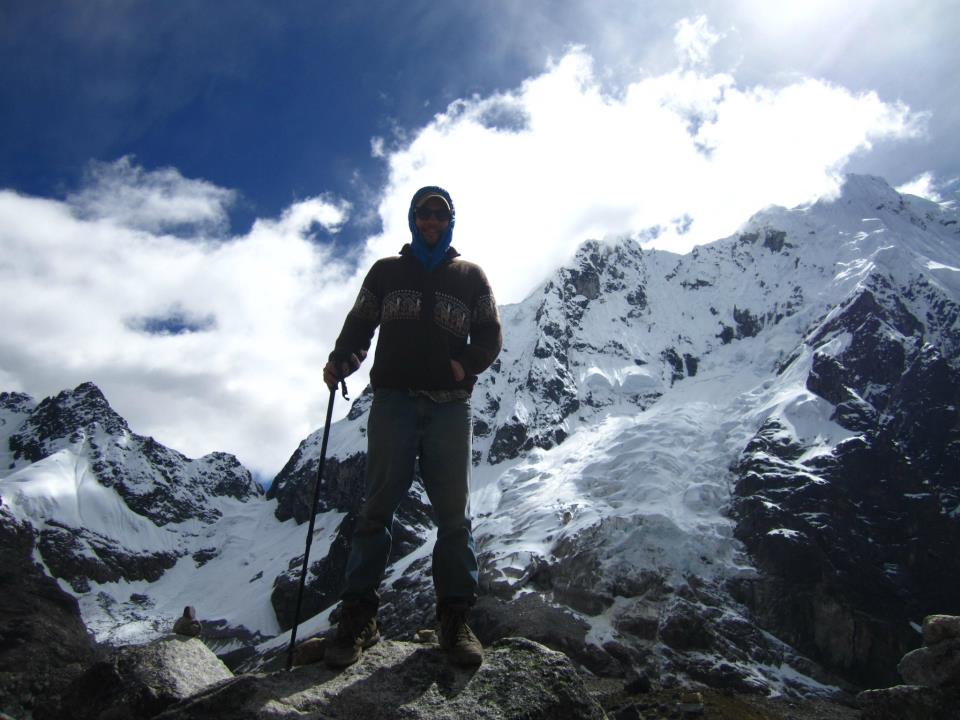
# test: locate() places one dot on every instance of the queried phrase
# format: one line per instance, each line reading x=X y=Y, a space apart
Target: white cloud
x=242 y=325
x=694 y=40
x=922 y=186
x=585 y=162
x=155 y=201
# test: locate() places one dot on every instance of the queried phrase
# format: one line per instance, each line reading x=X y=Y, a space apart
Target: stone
x=530 y=616
x=139 y=681
x=933 y=666
x=310 y=651
x=909 y=702
x=691 y=704
x=937 y=628
x=684 y=627
x=187 y=624
x=518 y=678
x=43 y=641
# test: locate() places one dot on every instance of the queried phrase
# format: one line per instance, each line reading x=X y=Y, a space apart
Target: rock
x=140 y=681
x=909 y=702
x=310 y=651
x=691 y=704
x=43 y=641
x=684 y=627
x=187 y=624
x=934 y=666
x=937 y=628
x=933 y=674
x=557 y=628
x=518 y=678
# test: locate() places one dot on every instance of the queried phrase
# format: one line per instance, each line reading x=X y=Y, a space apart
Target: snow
x=785 y=533
x=61 y=489
x=643 y=474
x=252 y=547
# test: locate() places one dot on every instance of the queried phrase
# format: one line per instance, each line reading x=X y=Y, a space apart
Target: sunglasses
x=425 y=213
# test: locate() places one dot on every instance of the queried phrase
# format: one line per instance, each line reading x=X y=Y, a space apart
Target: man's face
x=432 y=228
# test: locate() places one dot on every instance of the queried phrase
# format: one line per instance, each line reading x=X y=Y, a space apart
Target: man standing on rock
x=439 y=329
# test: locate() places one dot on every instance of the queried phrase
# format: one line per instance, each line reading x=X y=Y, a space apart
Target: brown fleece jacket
x=426 y=319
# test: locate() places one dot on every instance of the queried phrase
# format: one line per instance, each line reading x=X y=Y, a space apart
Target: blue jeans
x=401 y=428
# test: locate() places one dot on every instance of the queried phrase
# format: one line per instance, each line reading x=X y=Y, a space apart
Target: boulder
x=518 y=678
x=532 y=617
x=933 y=676
x=139 y=681
x=934 y=666
x=909 y=702
x=937 y=628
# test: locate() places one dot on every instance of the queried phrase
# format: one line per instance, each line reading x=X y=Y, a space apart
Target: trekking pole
x=313 y=517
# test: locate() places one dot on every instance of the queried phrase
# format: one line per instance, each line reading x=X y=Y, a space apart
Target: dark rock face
x=43 y=641
x=342 y=490
x=294 y=486
x=79 y=555
x=851 y=543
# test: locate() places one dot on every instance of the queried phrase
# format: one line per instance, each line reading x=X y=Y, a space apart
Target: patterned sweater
x=426 y=319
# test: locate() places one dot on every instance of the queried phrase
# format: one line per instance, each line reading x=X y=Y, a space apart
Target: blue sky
x=190 y=192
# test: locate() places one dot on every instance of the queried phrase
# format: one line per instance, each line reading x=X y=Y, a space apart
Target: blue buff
x=430 y=257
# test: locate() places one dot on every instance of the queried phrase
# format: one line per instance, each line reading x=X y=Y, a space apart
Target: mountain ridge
x=651 y=452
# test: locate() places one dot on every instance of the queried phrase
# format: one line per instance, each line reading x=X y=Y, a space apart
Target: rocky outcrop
x=530 y=617
x=932 y=674
x=518 y=678
x=851 y=541
x=140 y=681
x=80 y=556
x=43 y=641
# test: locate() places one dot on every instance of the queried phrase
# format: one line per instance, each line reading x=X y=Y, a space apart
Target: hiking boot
x=456 y=637
x=356 y=631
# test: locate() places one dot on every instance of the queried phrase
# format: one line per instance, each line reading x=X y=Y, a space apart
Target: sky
x=191 y=193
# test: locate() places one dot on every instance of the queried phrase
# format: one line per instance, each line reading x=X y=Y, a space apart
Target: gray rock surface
x=934 y=666
x=909 y=702
x=933 y=676
x=519 y=678
x=139 y=681
x=937 y=628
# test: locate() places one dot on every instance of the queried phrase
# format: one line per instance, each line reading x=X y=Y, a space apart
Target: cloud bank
x=214 y=342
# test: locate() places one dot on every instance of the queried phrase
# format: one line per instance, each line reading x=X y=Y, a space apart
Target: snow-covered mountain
x=737 y=465
x=125 y=523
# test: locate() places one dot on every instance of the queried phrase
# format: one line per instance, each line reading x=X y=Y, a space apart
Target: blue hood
x=430 y=257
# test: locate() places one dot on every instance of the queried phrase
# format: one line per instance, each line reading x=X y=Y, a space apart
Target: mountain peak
x=62 y=419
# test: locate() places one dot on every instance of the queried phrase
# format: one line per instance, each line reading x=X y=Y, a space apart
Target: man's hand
x=458 y=372
x=333 y=375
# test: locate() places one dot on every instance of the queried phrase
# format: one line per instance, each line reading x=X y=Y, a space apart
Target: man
x=439 y=329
